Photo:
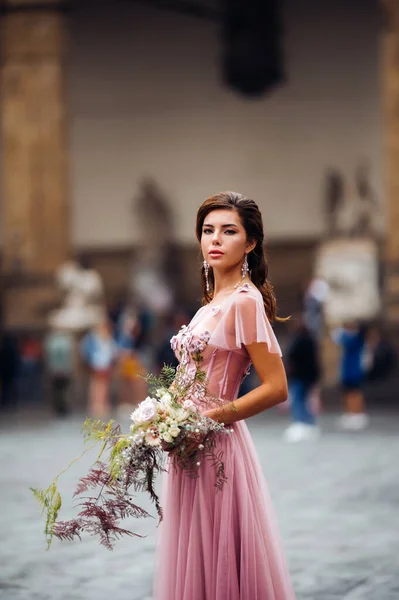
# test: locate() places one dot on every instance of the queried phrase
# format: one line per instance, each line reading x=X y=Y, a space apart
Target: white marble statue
x=83 y=304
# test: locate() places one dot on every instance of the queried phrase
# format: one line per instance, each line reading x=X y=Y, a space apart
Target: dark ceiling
x=207 y=9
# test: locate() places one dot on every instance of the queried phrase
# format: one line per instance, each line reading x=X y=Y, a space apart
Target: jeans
x=299 y=395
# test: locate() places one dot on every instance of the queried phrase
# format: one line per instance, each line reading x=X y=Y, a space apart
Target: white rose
x=166 y=401
x=167 y=398
x=189 y=405
x=146 y=412
x=167 y=437
x=174 y=431
x=181 y=415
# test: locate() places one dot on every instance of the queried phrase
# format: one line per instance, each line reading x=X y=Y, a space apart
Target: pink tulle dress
x=222 y=545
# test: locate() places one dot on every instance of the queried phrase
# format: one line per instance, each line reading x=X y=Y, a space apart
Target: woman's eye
x=207 y=231
x=230 y=231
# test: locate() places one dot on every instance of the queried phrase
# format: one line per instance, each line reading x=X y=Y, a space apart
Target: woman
x=225 y=545
x=99 y=352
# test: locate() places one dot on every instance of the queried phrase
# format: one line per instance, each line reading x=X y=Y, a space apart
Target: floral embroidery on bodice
x=225 y=367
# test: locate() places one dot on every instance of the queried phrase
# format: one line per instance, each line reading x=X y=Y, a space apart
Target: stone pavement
x=337 y=502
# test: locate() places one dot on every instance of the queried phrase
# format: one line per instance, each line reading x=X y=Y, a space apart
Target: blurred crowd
x=102 y=370
x=366 y=356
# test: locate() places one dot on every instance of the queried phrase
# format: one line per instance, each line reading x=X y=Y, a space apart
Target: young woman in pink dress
x=225 y=545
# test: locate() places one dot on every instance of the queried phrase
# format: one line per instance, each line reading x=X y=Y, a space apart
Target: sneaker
x=354 y=421
x=301 y=432
x=360 y=421
x=291 y=432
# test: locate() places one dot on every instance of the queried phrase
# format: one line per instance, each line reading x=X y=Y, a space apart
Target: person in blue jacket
x=351 y=339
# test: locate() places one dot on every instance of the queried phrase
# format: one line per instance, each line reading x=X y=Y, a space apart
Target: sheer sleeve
x=244 y=322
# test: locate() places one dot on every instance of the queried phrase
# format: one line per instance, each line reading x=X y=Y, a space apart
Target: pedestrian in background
x=303 y=373
x=132 y=387
x=351 y=339
x=59 y=363
x=30 y=376
x=99 y=352
x=314 y=300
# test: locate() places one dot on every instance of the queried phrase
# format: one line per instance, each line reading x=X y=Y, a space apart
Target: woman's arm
x=272 y=390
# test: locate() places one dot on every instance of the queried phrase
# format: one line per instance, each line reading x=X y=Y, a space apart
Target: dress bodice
x=220 y=333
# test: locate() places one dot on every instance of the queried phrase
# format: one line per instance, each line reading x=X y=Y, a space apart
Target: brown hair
x=251 y=219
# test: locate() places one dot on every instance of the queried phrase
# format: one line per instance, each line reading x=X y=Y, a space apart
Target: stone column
x=390 y=76
x=35 y=218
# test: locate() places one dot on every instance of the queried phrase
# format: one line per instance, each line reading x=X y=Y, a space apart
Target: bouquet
x=168 y=421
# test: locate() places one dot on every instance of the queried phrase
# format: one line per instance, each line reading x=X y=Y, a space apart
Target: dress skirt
x=221 y=545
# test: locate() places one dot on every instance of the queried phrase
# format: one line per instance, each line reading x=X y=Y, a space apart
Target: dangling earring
x=245 y=267
x=206 y=269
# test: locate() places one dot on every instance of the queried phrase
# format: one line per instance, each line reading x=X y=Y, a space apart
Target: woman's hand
x=210 y=413
x=220 y=414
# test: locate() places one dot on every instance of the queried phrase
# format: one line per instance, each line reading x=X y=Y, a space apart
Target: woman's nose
x=215 y=238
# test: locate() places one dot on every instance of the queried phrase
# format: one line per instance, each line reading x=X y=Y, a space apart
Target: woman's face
x=224 y=239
